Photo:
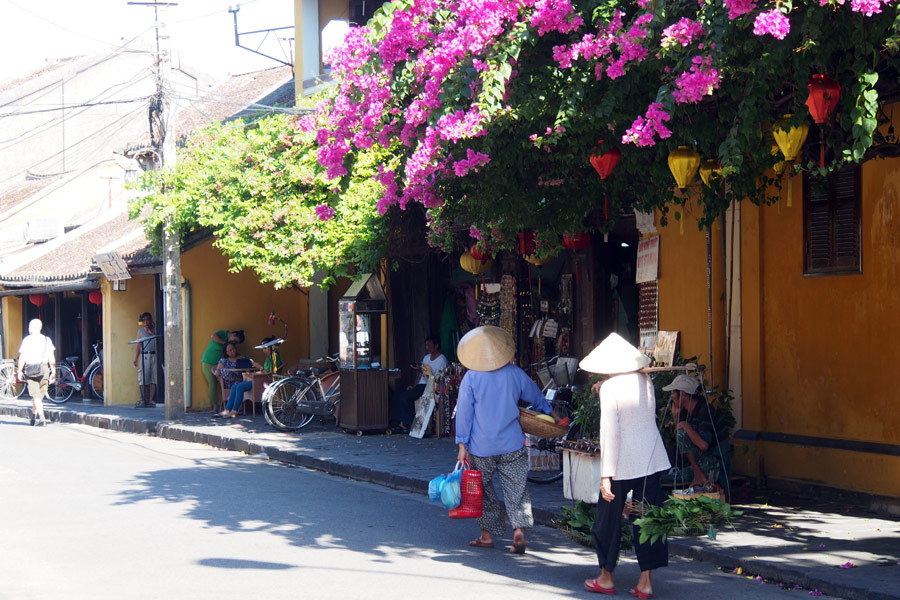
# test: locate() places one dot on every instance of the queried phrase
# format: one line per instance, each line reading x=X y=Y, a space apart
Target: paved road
x=95 y=514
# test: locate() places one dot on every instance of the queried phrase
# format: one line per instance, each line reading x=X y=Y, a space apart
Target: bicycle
x=67 y=380
x=558 y=391
x=291 y=403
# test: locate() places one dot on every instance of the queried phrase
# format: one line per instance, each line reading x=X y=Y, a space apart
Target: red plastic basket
x=470 y=503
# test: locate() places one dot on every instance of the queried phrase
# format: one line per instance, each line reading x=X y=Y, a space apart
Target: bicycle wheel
x=10 y=386
x=62 y=389
x=284 y=405
x=95 y=380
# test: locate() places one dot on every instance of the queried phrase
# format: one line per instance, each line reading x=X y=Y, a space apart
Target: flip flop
x=591 y=585
x=480 y=543
x=639 y=594
x=518 y=546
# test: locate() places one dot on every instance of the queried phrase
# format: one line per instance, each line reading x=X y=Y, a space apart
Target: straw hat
x=485 y=348
x=614 y=355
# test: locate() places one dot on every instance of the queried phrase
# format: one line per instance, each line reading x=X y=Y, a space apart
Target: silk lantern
x=472 y=265
x=790 y=141
x=604 y=163
x=824 y=94
x=709 y=168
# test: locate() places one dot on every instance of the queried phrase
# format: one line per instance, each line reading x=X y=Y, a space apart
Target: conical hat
x=485 y=348
x=614 y=355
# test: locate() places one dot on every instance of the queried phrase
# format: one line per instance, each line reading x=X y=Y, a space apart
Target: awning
x=50 y=289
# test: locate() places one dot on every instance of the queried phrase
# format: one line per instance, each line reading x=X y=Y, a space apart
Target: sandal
x=639 y=594
x=518 y=545
x=480 y=543
x=591 y=585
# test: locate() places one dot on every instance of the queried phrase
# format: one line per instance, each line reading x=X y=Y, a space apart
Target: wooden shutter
x=832 y=223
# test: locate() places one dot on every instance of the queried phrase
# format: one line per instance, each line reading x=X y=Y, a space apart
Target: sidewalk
x=784 y=538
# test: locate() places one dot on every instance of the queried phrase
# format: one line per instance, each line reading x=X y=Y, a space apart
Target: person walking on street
x=146 y=352
x=632 y=458
x=37 y=366
x=488 y=430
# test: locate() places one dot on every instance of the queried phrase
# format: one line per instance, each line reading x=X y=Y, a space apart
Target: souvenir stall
x=364 y=383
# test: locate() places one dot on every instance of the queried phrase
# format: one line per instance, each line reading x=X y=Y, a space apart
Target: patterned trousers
x=512 y=468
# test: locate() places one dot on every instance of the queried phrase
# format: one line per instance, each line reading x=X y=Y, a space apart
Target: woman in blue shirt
x=488 y=431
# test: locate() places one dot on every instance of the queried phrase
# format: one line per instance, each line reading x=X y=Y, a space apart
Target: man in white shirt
x=404 y=401
x=37 y=352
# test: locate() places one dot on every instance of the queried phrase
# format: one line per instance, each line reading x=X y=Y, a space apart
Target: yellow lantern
x=779 y=166
x=538 y=262
x=472 y=265
x=790 y=141
x=683 y=163
x=708 y=168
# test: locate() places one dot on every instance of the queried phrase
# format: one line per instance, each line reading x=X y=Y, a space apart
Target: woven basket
x=530 y=423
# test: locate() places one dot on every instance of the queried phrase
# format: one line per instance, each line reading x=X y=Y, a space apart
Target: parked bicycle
x=291 y=403
x=67 y=379
x=557 y=389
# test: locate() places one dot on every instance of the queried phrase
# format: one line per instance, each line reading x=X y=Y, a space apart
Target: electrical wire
x=46 y=20
x=86 y=105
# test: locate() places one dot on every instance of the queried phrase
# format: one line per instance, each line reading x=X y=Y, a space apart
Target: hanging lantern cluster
x=790 y=140
x=824 y=94
x=604 y=163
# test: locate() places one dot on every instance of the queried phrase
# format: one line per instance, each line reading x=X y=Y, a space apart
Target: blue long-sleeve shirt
x=487 y=412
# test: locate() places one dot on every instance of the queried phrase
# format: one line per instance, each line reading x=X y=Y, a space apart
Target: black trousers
x=403 y=407
x=607 y=528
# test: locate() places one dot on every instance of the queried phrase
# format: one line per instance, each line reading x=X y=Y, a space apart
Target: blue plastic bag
x=434 y=487
x=451 y=491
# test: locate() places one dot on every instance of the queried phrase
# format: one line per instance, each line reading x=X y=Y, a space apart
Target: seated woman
x=236 y=395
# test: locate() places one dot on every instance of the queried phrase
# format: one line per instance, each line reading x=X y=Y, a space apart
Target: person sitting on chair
x=236 y=395
x=403 y=403
x=702 y=438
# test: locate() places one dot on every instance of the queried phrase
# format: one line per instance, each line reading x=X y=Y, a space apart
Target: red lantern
x=479 y=253
x=604 y=163
x=39 y=299
x=824 y=94
x=527 y=242
x=577 y=241
x=96 y=297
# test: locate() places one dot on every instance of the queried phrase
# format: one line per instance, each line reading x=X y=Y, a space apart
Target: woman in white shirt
x=36 y=351
x=632 y=457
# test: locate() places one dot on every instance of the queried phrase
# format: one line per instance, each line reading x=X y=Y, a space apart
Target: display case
x=364 y=383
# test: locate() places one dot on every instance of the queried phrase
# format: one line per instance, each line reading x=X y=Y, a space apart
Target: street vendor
x=489 y=434
x=702 y=437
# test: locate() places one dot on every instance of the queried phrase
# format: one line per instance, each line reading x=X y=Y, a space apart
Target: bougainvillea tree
x=485 y=111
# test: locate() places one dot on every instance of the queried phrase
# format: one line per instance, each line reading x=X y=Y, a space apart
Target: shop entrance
x=617 y=295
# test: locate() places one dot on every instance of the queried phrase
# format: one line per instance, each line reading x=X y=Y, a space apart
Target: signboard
x=647 y=260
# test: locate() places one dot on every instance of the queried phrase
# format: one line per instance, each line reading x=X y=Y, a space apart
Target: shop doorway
x=617 y=294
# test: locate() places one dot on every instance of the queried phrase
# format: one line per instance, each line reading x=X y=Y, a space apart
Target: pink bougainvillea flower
x=772 y=22
x=681 y=33
x=701 y=80
x=324 y=212
x=475 y=233
x=866 y=7
x=736 y=8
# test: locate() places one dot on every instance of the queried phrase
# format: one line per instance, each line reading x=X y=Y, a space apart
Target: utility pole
x=162 y=135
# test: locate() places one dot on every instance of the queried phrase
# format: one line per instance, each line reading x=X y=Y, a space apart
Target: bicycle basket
x=534 y=425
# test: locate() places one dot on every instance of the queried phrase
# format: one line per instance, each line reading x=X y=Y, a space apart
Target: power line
x=46 y=20
x=86 y=105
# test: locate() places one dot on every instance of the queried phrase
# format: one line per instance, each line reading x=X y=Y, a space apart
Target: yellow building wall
x=12 y=325
x=816 y=351
x=683 y=293
x=224 y=300
x=121 y=309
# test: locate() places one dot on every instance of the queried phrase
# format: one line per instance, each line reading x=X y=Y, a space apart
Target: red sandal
x=591 y=585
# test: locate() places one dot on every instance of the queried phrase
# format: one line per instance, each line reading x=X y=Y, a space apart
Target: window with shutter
x=831 y=228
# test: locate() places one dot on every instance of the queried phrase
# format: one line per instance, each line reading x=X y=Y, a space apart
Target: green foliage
x=256 y=187
x=684 y=517
x=587 y=410
x=579 y=519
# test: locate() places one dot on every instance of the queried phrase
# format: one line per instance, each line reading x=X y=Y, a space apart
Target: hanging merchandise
x=489 y=304
x=508 y=304
x=565 y=301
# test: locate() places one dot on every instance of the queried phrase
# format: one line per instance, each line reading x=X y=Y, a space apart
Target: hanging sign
x=647 y=260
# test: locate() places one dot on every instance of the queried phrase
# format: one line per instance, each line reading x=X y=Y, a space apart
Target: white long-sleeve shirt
x=630 y=444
